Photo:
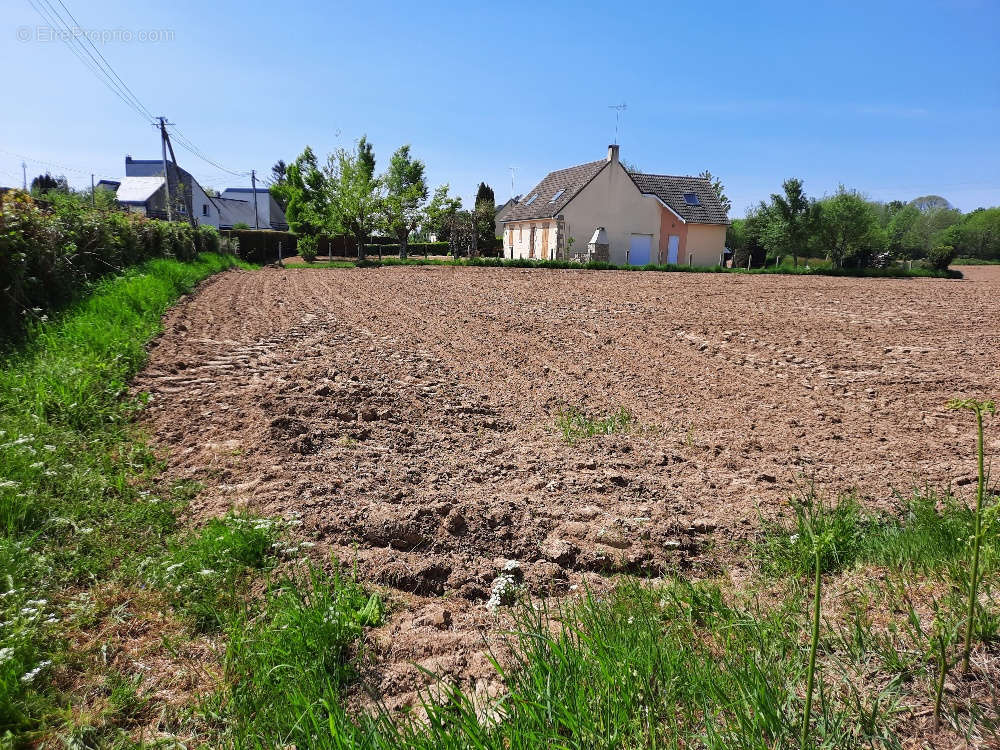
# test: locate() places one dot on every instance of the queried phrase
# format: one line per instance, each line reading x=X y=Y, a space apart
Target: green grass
x=894 y=272
x=976 y=262
x=929 y=533
x=575 y=424
x=71 y=499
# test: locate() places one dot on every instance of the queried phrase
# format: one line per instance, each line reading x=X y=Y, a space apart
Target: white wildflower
x=307 y=545
x=6 y=654
x=206 y=572
x=37 y=465
x=30 y=676
x=175 y=566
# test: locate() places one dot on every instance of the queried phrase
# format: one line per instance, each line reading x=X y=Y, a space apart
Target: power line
x=51 y=16
x=101 y=68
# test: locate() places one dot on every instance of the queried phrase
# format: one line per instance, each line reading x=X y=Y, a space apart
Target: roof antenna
x=511 y=180
x=619 y=114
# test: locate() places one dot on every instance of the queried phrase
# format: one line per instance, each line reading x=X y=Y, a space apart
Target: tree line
x=346 y=196
x=849 y=230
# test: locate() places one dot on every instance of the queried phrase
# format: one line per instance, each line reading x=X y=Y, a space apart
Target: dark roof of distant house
x=503 y=210
x=245 y=190
x=570 y=181
x=671 y=189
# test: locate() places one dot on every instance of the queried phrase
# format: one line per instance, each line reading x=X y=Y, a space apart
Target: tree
x=846 y=226
x=794 y=211
x=405 y=194
x=278 y=172
x=43 y=183
x=720 y=190
x=355 y=193
x=304 y=195
x=440 y=212
x=485 y=218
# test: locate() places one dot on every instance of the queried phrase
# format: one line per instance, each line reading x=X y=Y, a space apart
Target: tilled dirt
x=408 y=416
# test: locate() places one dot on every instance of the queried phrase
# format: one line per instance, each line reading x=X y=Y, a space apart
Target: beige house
x=646 y=218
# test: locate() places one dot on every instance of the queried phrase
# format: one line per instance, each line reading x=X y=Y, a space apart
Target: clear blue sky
x=897 y=99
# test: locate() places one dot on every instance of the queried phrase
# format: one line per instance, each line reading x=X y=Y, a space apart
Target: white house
x=646 y=218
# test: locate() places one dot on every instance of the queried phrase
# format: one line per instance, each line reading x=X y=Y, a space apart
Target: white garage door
x=640 y=249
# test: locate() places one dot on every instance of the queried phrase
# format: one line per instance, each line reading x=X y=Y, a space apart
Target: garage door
x=640 y=249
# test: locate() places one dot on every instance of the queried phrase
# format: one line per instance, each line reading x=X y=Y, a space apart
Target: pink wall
x=670 y=224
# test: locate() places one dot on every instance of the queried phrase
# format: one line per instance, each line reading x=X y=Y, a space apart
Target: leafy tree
x=793 y=211
x=355 y=193
x=846 y=226
x=440 y=212
x=978 y=234
x=720 y=190
x=926 y=203
x=405 y=194
x=304 y=195
x=43 y=183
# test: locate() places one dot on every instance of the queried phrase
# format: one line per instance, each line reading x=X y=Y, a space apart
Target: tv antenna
x=512 y=180
x=619 y=114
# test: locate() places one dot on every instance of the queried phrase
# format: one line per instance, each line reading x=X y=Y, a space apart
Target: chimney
x=613 y=153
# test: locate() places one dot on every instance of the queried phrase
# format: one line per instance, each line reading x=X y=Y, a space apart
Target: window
x=691 y=199
x=520 y=232
x=204 y=209
x=531 y=199
x=556 y=196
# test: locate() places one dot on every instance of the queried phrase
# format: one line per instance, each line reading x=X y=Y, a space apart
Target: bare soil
x=408 y=416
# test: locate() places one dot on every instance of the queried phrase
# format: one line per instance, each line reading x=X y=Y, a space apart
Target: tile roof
x=671 y=189
x=571 y=181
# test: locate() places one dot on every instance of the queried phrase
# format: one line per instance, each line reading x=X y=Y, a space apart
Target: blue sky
x=897 y=99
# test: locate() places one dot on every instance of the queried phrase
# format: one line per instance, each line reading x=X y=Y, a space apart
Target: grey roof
x=138 y=189
x=234 y=211
x=571 y=181
x=671 y=188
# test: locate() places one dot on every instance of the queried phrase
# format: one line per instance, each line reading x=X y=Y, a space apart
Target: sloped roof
x=571 y=181
x=138 y=189
x=234 y=211
x=671 y=189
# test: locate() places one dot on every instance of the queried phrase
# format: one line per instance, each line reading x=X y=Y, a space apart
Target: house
x=637 y=218
x=269 y=213
x=503 y=211
x=111 y=185
x=144 y=190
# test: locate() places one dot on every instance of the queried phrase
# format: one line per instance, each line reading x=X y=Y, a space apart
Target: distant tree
x=631 y=167
x=43 y=183
x=355 y=192
x=977 y=235
x=846 y=227
x=460 y=227
x=484 y=217
x=440 y=212
x=278 y=172
x=211 y=192
x=405 y=194
x=927 y=202
x=791 y=214
x=720 y=190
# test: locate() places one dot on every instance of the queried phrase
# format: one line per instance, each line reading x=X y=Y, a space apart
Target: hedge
x=49 y=253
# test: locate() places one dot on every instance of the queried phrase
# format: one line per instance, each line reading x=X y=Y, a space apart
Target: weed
x=978 y=408
x=575 y=423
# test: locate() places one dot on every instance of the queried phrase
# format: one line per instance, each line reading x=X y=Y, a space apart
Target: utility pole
x=166 y=175
x=24 y=175
x=253 y=184
x=93 y=196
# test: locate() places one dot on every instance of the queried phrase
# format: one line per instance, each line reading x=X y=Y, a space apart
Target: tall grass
x=70 y=506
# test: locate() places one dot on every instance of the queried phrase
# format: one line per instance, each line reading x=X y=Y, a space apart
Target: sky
x=895 y=99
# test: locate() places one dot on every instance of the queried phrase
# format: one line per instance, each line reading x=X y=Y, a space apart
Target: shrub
x=51 y=251
x=261 y=245
x=941 y=257
x=308 y=248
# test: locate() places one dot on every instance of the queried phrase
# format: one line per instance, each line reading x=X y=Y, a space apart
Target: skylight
x=556 y=196
x=691 y=199
x=531 y=199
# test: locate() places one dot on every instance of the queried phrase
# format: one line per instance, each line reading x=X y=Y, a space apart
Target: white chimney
x=613 y=153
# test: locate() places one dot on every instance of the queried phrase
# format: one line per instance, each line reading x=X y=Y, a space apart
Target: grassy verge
x=879 y=273
x=975 y=262
x=72 y=503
